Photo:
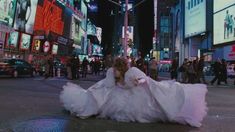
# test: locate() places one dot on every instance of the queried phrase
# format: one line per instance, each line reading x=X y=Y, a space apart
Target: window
x=189 y=5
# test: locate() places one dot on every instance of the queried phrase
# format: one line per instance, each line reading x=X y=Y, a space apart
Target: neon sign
x=49 y=17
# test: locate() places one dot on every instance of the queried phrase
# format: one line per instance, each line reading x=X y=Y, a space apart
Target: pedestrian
x=153 y=69
x=84 y=67
x=140 y=63
x=108 y=61
x=184 y=71
x=217 y=72
x=69 y=68
x=195 y=65
x=224 y=74
x=191 y=72
x=200 y=70
x=75 y=67
x=173 y=69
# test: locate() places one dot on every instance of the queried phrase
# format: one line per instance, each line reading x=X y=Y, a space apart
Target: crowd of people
x=73 y=68
x=190 y=71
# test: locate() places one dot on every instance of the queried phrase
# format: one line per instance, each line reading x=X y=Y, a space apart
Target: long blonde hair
x=121 y=65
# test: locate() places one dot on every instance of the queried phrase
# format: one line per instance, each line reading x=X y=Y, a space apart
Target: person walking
x=69 y=68
x=173 y=69
x=191 y=72
x=224 y=74
x=140 y=63
x=200 y=70
x=84 y=67
x=184 y=71
x=75 y=66
x=217 y=72
x=153 y=69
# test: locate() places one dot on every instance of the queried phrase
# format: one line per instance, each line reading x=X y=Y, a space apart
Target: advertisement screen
x=54 y=49
x=36 y=45
x=130 y=33
x=75 y=28
x=91 y=29
x=195 y=17
x=46 y=47
x=96 y=50
x=84 y=12
x=25 y=41
x=25 y=15
x=13 y=39
x=224 y=20
x=99 y=34
x=49 y=17
x=7 y=12
x=229 y=53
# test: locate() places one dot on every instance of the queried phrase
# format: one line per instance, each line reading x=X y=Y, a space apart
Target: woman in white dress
x=128 y=95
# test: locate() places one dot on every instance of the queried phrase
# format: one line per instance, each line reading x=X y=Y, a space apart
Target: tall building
x=163 y=45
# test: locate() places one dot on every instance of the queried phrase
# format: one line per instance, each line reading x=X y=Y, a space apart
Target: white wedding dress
x=148 y=101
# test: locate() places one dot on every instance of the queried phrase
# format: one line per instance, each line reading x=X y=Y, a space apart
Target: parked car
x=16 y=67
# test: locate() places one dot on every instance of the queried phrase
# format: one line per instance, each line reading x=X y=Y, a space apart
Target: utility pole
x=125 y=30
x=126 y=21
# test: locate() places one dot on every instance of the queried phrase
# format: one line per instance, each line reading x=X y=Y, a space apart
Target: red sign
x=49 y=17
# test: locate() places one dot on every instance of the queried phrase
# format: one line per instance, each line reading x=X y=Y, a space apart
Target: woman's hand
x=138 y=81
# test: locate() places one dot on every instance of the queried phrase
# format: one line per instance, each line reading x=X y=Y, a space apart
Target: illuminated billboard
x=36 y=45
x=54 y=49
x=130 y=33
x=25 y=15
x=96 y=50
x=195 y=17
x=76 y=32
x=99 y=34
x=91 y=28
x=49 y=17
x=7 y=12
x=46 y=46
x=13 y=40
x=84 y=12
x=224 y=21
x=25 y=41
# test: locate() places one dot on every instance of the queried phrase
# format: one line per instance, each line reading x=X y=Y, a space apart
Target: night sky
x=145 y=23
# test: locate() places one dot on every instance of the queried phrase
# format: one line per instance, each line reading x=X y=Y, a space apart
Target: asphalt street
x=32 y=105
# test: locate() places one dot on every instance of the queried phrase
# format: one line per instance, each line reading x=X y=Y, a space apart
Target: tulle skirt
x=138 y=104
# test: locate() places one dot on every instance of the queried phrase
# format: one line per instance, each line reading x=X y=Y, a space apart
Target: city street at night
x=32 y=105
x=117 y=66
